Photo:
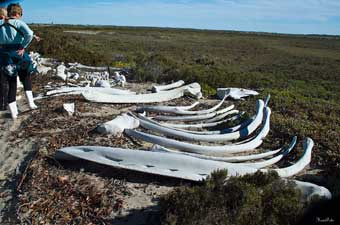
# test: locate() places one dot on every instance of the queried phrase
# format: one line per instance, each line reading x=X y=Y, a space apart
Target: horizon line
x=190 y=28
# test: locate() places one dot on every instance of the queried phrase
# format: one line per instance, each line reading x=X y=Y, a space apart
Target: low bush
x=250 y=199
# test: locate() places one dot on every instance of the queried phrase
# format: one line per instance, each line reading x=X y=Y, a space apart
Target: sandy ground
x=13 y=152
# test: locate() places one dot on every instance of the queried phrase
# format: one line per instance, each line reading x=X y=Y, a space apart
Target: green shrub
x=250 y=199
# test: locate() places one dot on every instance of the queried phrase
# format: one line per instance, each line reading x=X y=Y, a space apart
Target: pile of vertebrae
x=188 y=143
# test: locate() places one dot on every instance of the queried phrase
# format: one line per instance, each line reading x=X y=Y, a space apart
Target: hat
x=5 y=3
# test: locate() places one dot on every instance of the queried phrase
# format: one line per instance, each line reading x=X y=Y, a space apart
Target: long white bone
x=246 y=131
x=225 y=130
x=202 y=125
x=203 y=149
x=168 y=86
x=222 y=135
x=178 y=110
x=301 y=163
x=220 y=116
x=226 y=111
x=92 y=68
x=80 y=90
x=165 y=109
x=234 y=159
x=193 y=89
x=173 y=165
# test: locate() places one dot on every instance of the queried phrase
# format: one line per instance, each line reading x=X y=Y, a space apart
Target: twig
x=24 y=174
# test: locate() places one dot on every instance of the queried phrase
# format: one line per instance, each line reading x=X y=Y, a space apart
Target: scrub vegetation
x=251 y=199
x=302 y=74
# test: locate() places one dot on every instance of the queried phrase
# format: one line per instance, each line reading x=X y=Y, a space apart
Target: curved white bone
x=271 y=161
x=224 y=130
x=301 y=163
x=168 y=86
x=193 y=89
x=246 y=127
x=165 y=109
x=210 y=137
x=80 y=90
x=202 y=125
x=234 y=159
x=178 y=110
x=227 y=111
x=203 y=149
x=221 y=116
x=173 y=165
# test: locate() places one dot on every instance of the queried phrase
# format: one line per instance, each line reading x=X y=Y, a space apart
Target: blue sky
x=282 y=16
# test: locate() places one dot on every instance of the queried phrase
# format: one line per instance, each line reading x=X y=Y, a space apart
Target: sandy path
x=12 y=153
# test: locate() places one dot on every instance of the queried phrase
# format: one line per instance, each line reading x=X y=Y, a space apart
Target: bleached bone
x=203 y=149
x=165 y=109
x=92 y=68
x=168 y=86
x=193 y=89
x=301 y=163
x=80 y=90
x=221 y=116
x=43 y=69
x=234 y=159
x=310 y=190
x=202 y=125
x=198 y=117
x=69 y=108
x=225 y=130
x=61 y=72
x=246 y=131
x=94 y=76
x=102 y=84
x=119 y=79
x=118 y=125
x=235 y=93
x=178 y=110
x=172 y=165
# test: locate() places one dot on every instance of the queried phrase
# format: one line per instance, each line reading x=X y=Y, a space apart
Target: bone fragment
x=235 y=93
x=117 y=126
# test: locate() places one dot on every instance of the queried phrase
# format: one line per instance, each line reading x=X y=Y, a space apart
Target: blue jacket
x=22 y=35
x=14 y=35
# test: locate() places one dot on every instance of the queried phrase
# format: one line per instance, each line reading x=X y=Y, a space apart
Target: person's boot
x=30 y=100
x=13 y=109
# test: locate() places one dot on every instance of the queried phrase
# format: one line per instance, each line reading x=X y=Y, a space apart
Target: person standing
x=15 y=36
x=3 y=86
